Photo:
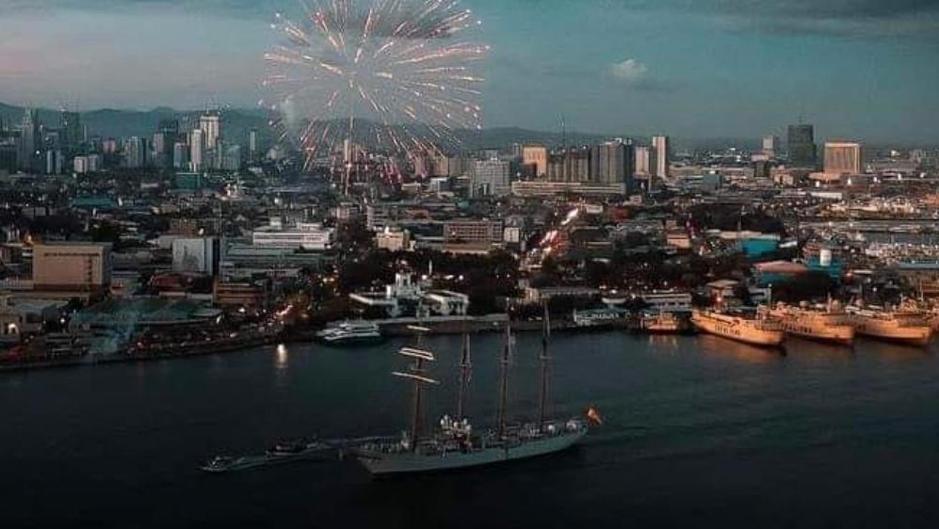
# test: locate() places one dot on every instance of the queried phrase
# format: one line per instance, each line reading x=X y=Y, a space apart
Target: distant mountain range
x=237 y=122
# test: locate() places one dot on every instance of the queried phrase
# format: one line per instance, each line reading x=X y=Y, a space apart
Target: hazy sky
x=864 y=69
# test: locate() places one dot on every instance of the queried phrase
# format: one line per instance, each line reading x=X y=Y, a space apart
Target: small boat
x=351 y=333
x=660 y=323
x=220 y=464
x=296 y=448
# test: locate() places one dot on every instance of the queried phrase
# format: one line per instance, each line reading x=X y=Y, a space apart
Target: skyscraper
x=196 y=149
x=29 y=140
x=211 y=126
x=661 y=154
x=643 y=162
x=73 y=134
x=253 y=146
x=801 y=143
x=135 y=152
x=164 y=141
x=843 y=158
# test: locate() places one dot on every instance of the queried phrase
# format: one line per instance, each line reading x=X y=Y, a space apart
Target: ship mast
x=545 y=360
x=504 y=375
x=466 y=367
x=417 y=373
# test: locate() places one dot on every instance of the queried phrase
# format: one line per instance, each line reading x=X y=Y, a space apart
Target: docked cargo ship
x=830 y=324
x=747 y=329
x=906 y=327
x=455 y=445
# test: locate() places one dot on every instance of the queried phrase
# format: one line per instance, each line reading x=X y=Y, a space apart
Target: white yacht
x=351 y=333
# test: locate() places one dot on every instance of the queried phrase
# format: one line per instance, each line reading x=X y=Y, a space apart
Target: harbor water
x=698 y=432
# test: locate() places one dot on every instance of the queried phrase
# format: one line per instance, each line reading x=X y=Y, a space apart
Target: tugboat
x=351 y=333
x=455 y=445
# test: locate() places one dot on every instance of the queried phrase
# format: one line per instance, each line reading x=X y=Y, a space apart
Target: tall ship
x=351 y=333
x=905 y=327
x=759 y=331
x=454 y=444
x=828 y=323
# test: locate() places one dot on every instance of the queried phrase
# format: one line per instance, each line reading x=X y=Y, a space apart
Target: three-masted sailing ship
x=455 y=444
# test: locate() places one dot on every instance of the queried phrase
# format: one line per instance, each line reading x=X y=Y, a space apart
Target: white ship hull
x=738 y=329
x=891 y=331
x=399 y=463
x=820 y=328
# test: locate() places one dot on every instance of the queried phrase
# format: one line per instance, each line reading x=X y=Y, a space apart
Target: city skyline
x=856 y=69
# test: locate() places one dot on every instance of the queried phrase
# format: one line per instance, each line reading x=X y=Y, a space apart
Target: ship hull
x=833 y=334
x=403 y=463
x=915 y=336
x=351 y=342
x=738 y=333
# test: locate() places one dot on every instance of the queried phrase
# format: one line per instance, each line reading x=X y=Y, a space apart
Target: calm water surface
x=699 y=432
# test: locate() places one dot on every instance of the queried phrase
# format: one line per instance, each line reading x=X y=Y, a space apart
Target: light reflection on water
x=282 y=357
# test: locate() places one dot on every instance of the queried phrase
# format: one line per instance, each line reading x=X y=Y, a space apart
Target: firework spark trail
x=399 y=65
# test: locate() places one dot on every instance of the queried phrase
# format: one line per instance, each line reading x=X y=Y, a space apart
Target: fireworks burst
x=392 y=74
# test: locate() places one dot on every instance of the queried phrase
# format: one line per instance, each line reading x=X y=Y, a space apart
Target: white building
x=393 y=240
x=491 y=177
x=406 y=296
x=301 y=235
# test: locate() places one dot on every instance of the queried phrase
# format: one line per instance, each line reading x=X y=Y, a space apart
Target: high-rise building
x=536 y=156
x=231 y=156
x=577 y=166
x=643 y=161
x=136 y=153
x=73 y=134
x=164 y=141
x=253 y=145
x=181 y=156
x=770 y=146
x=661 y=154
x=29 y=140
x=211 y=126
x=613 y=163
x=843 y=158
x=196 y=149
x=801 y=144
x=55 y=162
x=491 y=177
x=109 y=146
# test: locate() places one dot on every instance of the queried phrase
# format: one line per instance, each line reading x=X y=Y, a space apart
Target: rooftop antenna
x=563 y=132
